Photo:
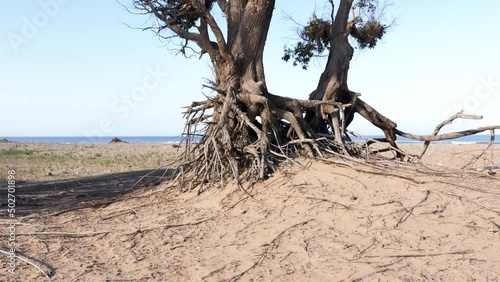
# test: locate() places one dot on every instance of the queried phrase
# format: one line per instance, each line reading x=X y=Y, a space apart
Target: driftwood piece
x=444 y=123
x=446 y=136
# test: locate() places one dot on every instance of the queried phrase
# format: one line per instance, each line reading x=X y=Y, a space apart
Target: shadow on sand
x=65 y=195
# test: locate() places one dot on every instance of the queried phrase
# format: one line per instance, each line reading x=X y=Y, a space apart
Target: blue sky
x=73 y=68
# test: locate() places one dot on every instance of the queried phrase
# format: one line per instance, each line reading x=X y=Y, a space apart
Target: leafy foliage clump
x=315 y=38
x=369 y=33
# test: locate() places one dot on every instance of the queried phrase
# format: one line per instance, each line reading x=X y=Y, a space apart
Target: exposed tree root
x=244 y=135
x=246 y=131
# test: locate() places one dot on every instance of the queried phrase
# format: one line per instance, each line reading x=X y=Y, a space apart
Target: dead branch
x=327 y=201
x=409 y=212
x=446 y=136
x=475 y=158
x=370 y=141
x=422 y=255
x=460 y=197
x=370 y=274
x=62 y=234
x=48 y=272
x=414 y=180
x=168 y=226
x=467 y=187
x=446 y=122
x=110 y=216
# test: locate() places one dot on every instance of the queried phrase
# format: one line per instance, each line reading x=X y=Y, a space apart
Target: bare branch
x=446 y=122
x=475 y=158
x=219 y=36
x=446 y=136
x=171 y=23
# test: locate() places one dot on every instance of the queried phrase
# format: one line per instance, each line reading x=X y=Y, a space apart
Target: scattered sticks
x=475 y=158
x=63 y=234
x=410 y=211
x=168 y=226
x=269 y=247
x=370 y=274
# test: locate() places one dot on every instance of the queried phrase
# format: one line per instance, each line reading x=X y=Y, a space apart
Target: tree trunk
x=333 y=81
x=242 y=74
x=333 y=85
x=248 y=37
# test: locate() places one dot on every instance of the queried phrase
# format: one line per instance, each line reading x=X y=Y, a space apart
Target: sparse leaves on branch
x=178 y=12
x=364 y=26
x=315 y=38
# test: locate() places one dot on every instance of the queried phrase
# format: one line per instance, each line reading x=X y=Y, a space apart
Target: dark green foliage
x=315 y=38
x=369 y=6
x=301 y=53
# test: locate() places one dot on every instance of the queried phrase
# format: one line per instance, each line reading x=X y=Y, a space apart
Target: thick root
x=245 y=136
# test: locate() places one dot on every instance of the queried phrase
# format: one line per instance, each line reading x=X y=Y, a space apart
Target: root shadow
x=72 y=194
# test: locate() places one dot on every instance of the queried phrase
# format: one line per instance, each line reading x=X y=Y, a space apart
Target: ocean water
x=474 y=139
x=97 y=140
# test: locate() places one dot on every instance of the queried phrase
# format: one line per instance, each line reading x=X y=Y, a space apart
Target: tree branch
x=219 y=36
x=223 y=6
x=446 y=136
x=207 y=46
x=174 y=27
x=446 y=122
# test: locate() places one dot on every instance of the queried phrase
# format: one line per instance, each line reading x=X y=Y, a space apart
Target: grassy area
x=61 y=161
x=14 y=152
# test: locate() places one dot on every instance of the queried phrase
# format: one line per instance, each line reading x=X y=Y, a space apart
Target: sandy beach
x=316 y=220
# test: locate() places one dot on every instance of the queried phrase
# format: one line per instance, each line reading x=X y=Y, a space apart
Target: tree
x=356 y=19
x=246 y=130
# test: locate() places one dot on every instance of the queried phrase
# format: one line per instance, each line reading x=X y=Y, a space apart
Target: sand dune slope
x=322 y=221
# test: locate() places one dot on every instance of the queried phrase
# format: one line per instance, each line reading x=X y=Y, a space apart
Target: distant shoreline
x=95 y=140
x=474 y=139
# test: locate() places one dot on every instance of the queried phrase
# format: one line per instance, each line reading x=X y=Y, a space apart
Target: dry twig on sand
x=168 y=226
x=269 y=247
x=409 y=212
x=64 y=234
x=48 y=272
x=422 y=255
